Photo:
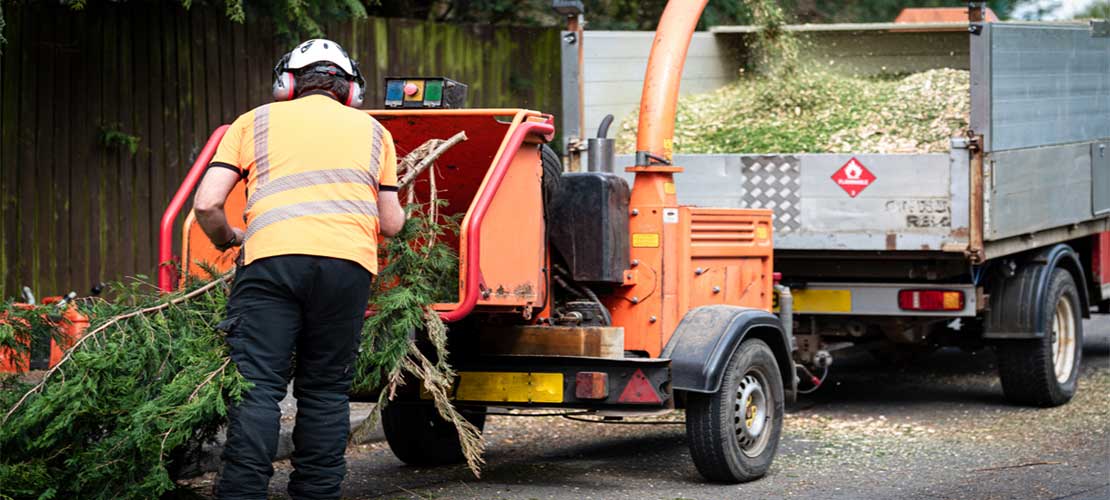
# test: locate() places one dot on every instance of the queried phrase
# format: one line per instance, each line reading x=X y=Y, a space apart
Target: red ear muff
x=284 y=86
x=354 y=94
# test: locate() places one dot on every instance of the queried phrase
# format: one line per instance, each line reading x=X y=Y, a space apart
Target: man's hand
x=235 y=241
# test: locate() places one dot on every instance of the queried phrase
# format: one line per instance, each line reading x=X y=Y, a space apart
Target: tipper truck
x=1000 y=242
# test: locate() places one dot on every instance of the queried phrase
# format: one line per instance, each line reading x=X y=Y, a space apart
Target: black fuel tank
x=590 y=226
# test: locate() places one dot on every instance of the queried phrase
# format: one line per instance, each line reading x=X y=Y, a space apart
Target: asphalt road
x=938 y=429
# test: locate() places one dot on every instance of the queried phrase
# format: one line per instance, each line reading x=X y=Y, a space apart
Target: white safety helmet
x=315 y=51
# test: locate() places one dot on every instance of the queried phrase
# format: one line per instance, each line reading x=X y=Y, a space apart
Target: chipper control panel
x=424 y=93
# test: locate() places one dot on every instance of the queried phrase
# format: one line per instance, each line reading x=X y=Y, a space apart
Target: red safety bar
x=166 y=276
x=473 y=278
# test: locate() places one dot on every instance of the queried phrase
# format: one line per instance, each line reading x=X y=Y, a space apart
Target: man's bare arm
x=209 y=207
x=390 y=214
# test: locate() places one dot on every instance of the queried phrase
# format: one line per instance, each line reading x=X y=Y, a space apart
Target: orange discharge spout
x=655 y=134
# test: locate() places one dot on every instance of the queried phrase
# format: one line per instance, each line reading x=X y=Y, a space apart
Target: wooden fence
x=78 y=206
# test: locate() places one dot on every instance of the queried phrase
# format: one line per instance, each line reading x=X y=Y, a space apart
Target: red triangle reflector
x=639 y=391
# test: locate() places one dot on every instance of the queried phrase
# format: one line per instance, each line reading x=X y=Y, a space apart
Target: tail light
x=931 y=300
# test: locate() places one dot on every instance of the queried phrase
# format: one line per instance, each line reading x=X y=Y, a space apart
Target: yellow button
x=419 y=95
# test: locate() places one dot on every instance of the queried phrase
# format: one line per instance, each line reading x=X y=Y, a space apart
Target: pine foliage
x=420 y=273
x=126 y=405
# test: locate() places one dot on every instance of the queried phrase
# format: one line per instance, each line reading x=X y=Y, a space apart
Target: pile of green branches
x=419 y=273
x=136 y=397
x=148 y=382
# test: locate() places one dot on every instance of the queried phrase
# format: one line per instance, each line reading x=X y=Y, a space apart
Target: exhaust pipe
x=601 y=151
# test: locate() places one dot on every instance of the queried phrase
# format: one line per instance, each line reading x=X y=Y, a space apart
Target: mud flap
x=704 y=342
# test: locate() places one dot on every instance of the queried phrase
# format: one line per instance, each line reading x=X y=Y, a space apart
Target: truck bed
x=1040 y=109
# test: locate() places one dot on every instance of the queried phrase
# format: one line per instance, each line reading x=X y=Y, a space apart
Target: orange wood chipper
x=577 y=292
x=44 y=351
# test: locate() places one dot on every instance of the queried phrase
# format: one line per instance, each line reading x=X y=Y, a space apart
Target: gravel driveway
x=936 y=430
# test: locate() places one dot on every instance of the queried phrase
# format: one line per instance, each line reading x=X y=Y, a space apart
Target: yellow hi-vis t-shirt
x=313 y=169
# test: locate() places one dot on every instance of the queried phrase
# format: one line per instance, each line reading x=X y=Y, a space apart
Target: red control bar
x=166 y=275
x=472 y=282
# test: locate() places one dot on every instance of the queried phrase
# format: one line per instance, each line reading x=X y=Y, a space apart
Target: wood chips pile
x=818 y=112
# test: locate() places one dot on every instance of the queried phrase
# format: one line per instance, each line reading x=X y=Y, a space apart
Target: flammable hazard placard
x=853 y=177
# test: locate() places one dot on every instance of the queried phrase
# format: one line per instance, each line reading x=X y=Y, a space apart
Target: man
x=322 y=184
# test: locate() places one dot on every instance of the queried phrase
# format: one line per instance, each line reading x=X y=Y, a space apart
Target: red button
x=411 y=89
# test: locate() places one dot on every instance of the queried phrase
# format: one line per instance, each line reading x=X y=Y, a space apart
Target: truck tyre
x=552 y=178
x=734 y=432
x=1043 y=372
x=418 y=436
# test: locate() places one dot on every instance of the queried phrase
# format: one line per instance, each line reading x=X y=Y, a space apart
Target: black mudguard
x=1016 y=305
x=704 y=342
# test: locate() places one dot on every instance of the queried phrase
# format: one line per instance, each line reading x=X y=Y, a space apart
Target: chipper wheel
x=734 y=432
x=552 y=178
x=418 y=436
x=1044 y=371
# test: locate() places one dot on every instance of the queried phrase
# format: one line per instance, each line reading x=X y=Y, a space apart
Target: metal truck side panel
x=917 y=201
x=1049 y=85
x=1040 y=188
x=1100 y=177
x=910 y=195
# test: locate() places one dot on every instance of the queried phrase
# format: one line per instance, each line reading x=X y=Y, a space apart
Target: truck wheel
x=418 y=436
x=734 y=432
x=552 y=178
x=1043 y=372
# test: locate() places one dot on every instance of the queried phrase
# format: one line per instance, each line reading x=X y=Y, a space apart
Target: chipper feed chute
x=491 y=178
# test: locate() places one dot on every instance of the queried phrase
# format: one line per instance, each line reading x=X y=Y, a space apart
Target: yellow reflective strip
x=376 y=155
x=510 y=387
x=261 y=144
x=818 y=301
x=310 y=178
x=328 y=207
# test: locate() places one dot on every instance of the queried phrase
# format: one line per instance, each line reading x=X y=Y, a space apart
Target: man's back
x=313 y=169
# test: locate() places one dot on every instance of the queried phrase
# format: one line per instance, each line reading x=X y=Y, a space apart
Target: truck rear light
x=931 y=300
x=591 y=385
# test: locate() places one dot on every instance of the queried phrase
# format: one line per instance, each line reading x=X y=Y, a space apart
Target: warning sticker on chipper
x=853 y=177
x=645 y=240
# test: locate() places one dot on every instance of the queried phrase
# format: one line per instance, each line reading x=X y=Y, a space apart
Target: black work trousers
x=313 y=307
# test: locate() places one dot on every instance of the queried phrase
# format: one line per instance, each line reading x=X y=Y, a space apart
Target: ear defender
x=283 y=80
x=283 y=86
x=354 y=94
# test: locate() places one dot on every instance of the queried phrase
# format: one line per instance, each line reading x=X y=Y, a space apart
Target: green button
x=433 y=92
